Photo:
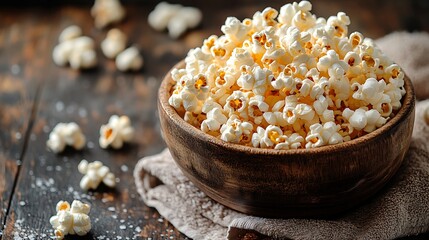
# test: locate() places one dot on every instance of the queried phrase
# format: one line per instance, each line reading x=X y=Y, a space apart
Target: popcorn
x=287 y=79
x=237 y=103
x=185 y=18
x=357 y=119
x=272 y=136
x=74 y=49
x=257 y=108
x=162 y=14
x=65 y=134
x=115 y=42
x=326 y=134
x=72 y=219
x=236 y=131
x=95 y=173
x=106 y=12
x=129 y=59
x=215 y=119
x=69 y=33
x=175 y=17
x=116 y=132
x=235 y=30
x=339 y=23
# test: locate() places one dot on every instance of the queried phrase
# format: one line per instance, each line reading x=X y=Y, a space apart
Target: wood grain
x=18 y=90
x=27 y=36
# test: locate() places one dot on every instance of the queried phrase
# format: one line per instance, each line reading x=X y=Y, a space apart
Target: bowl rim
x=408 y=102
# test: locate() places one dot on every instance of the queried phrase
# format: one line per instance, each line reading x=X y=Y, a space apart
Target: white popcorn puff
x=257 y=137
x=76 y=50
x=326 y=134
x=371 y=91
x=314 y=137
x=175 y=17
x=116 y=132
x=237 y=103
x=374 y=120
x=185 y=18
x=62 y=52
x=288 y=71
x=83 y=59
x=65 y=134
x=106 y=12
x=95 y=173
x=236 y=131
x=115 y=42
x=71 y=220
x=257 y=108
x=357 y=118
x=69 y=33
x=272 y=136
x=162 y=14
x=235 y=30
x=129 y=59
x=215 y=118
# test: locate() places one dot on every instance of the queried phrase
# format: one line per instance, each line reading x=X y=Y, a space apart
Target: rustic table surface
x=35 y=95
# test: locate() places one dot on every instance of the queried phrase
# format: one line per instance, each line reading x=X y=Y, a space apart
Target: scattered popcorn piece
x=115 y=42
x=161 y=15
x=75 y=49
x=129 y=59
x=185 y=18
x=285 y=79
x=65 y=134
x=69 y=33
x=72 y=219
x=176 y=18
x=95 y=173
x=107 y=12
x=116 y=132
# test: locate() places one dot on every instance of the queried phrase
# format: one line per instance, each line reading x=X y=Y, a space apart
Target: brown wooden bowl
x=319 y=182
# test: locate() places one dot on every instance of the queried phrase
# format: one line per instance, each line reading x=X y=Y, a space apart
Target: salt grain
x=59 y=106
x=124 y=168
x=90 y=145
x=122 y=227
x=18 y=135
x=46 y=129
x=15 y=69
x=82 y=112
x=112 y=209
x=21 y=203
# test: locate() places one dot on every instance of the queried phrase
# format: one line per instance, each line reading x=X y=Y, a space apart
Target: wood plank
x=89 y=98
x=17 y=93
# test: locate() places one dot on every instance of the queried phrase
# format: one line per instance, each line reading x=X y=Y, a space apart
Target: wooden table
x=35 y=95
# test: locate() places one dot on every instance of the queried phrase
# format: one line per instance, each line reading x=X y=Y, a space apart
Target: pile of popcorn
x=287 y=80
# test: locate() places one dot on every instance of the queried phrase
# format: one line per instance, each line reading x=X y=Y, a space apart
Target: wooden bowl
x=301 y=183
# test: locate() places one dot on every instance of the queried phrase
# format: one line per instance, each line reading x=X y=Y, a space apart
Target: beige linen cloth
x=401 y=209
